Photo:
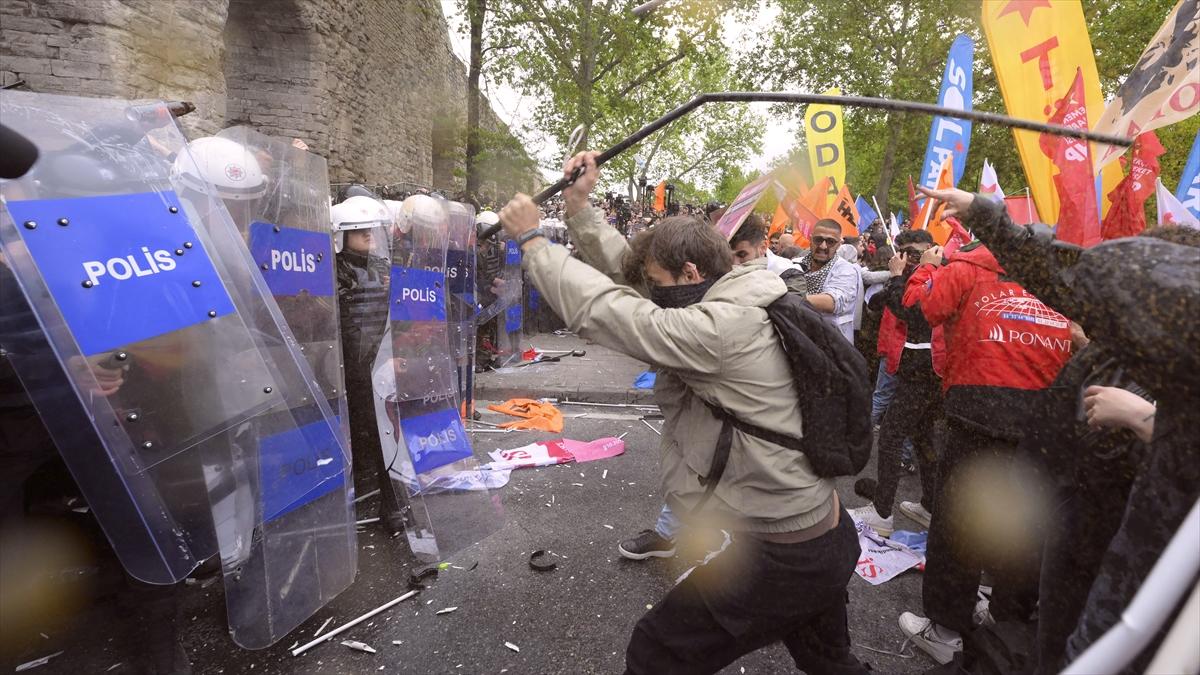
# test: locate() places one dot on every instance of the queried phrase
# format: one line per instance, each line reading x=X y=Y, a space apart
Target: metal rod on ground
x=609 y=405
x=651 y=427
x=850 y=101
x=370 y=494
x=341 y=629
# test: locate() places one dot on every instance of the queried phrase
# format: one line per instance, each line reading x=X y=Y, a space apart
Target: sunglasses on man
x=825 y=241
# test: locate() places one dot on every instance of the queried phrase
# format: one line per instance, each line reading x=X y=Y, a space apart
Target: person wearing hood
x=705 y=328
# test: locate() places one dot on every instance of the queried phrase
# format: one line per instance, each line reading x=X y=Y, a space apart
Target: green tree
x=897 y=49
x=594 y=64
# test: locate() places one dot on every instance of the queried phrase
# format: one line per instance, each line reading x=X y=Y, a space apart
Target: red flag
x=913 y=210
x=1078 y=216
x=1144 y=166
x=1126 y=217
x=1021 y=209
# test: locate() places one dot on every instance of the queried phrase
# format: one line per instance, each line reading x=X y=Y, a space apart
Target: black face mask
x=673 y=297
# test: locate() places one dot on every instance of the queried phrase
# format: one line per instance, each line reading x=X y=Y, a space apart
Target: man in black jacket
x=918 y=401
x=1138 y=298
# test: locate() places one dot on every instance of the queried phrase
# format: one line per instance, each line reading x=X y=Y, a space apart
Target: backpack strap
x=783 y=440
x=725 y=441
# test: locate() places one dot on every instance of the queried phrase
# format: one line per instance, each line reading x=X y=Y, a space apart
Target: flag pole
x=1028 y=206
x=878 y=211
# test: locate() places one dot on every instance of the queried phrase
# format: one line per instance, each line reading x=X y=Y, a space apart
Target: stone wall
x=371 y=84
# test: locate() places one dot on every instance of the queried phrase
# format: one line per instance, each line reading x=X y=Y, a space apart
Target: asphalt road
x=574 y=619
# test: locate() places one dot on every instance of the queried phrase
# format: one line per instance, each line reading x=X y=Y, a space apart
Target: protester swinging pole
x=850 y=101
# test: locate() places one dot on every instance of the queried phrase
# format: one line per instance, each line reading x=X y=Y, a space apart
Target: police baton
x=848 y=101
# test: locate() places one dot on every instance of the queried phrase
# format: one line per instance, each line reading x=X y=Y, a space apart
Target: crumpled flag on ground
x=882 y=559
x=538 y=416
x=472 y=480
x=558 y=451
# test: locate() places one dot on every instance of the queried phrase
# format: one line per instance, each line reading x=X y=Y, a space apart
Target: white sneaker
x=917 y=513
x=940 y=643
x=983 y=613
x=882 y=526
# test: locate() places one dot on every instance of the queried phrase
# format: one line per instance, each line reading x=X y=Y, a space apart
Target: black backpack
x=835 y=396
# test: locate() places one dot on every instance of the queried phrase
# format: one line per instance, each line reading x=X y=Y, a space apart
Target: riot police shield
x=461 y=306
x=157 y=365
x=285 y=226
x=507 y=307
x=416 y=393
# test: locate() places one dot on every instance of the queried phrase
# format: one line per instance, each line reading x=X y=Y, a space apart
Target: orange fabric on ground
x=538 y=416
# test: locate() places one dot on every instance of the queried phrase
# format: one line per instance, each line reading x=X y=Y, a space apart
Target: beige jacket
x=722 y=349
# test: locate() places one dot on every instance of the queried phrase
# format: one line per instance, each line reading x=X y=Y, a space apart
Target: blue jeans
x=885 y=391
x=668 y=524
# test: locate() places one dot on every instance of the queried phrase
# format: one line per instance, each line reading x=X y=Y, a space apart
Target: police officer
x=362 y=240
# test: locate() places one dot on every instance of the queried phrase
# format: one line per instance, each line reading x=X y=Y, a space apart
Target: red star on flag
x=1023 y=7
x=958 y=146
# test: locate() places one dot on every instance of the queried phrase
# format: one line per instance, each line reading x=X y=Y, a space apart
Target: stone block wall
x=371 y=84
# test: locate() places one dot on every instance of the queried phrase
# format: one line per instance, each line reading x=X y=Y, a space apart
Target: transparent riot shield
x=461 y=306
x=421 y=430
x=507 y=307
x=163 y=369
x=286 y=229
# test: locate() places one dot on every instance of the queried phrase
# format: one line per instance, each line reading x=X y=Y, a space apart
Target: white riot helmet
x=396 y=209
x=357 y=213
x=226 y=165
x=426 y=217
x=487 y=218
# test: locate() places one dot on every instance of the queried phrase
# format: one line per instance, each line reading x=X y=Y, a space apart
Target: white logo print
x=996 y=334
x=1026 y=308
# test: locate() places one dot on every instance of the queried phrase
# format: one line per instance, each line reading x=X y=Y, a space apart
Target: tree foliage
x=898 y=48
x=593 y=63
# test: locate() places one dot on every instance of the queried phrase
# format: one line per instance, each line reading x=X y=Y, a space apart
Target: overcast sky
x=516 y=110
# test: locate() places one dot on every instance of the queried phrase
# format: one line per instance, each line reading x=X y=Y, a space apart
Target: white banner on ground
x=882 y=559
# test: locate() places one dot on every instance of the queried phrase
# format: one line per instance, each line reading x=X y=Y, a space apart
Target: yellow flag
x=1036 y=47
x=826 y=152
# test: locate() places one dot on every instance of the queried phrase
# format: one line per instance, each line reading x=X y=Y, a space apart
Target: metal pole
x=851 y=101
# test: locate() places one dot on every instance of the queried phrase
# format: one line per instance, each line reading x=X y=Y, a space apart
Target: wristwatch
x=529 y=234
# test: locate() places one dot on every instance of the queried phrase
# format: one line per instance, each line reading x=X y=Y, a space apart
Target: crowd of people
x=1038 y=388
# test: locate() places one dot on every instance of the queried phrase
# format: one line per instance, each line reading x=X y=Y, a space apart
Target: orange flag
x=814 y=200
x=779 y=222
x=844 y=212
x=932 y=220
x=660 y=197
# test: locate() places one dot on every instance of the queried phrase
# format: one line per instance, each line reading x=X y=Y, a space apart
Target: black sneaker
x=648 y=544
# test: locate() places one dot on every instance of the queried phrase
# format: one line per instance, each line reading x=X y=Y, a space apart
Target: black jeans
x=953 y=565
x=912 y=414
x=755 y=593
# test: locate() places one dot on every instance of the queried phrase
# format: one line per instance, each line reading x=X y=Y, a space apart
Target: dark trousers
x=1166 y=487
x=1081 y=528
x=369 y=470
x=911 y=415
x=953 y=565
x=752 y=594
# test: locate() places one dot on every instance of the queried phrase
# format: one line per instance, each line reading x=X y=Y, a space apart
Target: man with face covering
x=704 y=327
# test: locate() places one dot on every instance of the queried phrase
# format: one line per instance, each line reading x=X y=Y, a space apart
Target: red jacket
x=892 y=335
x=1002 y=342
